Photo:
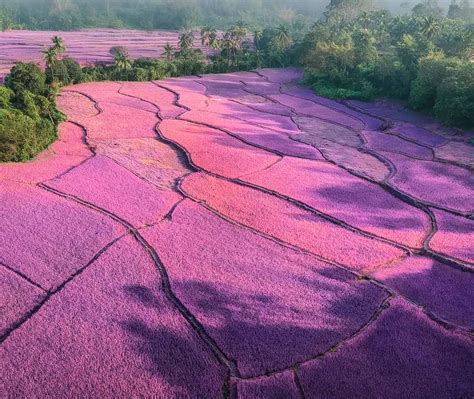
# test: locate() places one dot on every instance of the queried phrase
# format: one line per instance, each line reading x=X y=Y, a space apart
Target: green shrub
x=455 y=99
x=5 y=97
x=431 y=72
x=74 y=70
x=97 y=73
x=28 y=114
x=26 y=77
x=57 y=73
x=66 y=71
x=21 y=137
x=325 y=89
x=139 y=75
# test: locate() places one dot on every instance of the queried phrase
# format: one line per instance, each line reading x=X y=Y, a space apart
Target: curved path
x=237 y=236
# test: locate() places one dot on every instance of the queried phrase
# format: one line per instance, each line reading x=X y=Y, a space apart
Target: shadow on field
x=171 y=354
x=261 y=332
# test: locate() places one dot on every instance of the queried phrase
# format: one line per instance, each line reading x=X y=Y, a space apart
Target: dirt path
x=237 y=236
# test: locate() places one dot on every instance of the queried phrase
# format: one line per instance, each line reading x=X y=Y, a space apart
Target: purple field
x=237 y=236
x=87 y=46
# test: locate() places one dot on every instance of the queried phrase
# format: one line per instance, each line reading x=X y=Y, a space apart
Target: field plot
x=237 y=236
x=85 y=46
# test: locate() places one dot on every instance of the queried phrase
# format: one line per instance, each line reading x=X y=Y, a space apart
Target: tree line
x=426 y=58
x=178 y=14
x=153 y=14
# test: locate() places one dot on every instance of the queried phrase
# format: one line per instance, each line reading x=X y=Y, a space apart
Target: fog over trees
x=177 y=14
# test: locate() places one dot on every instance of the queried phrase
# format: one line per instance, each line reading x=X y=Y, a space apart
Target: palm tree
x=232 y=42
x=168 y=51
x=259 y=55
x=58 y=44
x=209 y=37
x=398 y=20
x=50 y=57
x=430 y=26
x=213 y=40
x=122 y=60
x=283 y=36
x=205 y=36
x=186 y=40
x=257 y=36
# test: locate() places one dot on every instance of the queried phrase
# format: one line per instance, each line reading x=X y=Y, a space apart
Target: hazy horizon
x=176 y=14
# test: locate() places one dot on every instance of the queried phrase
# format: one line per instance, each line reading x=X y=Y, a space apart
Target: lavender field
x=85 y=46
x=237 y=236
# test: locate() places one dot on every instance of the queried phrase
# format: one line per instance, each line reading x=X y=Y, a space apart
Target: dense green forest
x=174 y=14
x=426 y=58
x=155 y=14
x=351 y=51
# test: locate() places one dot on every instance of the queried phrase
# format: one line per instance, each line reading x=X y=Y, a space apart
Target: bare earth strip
x=237 y=236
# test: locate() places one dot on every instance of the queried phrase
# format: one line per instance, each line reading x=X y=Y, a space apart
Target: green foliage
x=186 y=40
x=462 y=10
x=26 y=77
x=122 y=61
x=57 y=72
x=431 y=72
x=456 y=39
x=28 y=114
x=325 y=89
x=5 y=97
x=22 y=137
x=6 y=19
x=365 y=51
x=191 y=62
x=424 y=59
x=391 y=77
x=139 y=75
x=343 y=11
x=156 y=69
x=74 y=70
x=427 y=8
x=410 y=49
x=455 y=97
x=95 y=73
x=156 y=14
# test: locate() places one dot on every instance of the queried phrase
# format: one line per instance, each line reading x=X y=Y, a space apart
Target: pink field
x=400 y=355
x=85 y=46
x=236 y=236
x=453 y=236
x=339 y=194
x=444 y=185
x=289 y=223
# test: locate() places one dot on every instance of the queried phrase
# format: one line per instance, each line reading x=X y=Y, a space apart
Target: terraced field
x=86 y=46
x=237 y=236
